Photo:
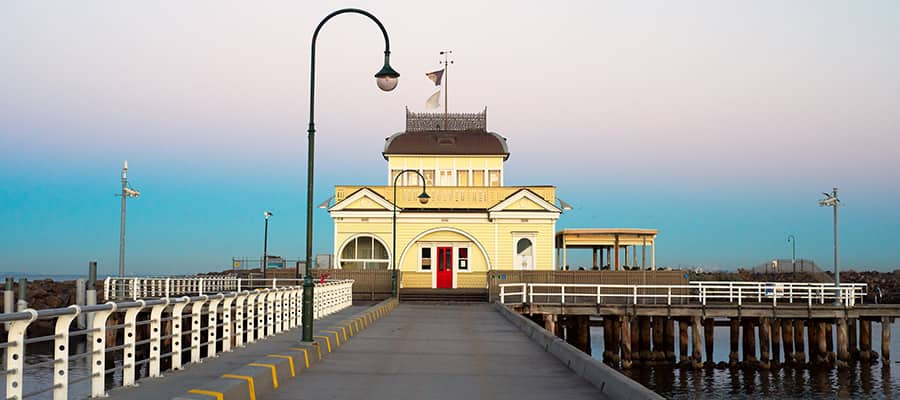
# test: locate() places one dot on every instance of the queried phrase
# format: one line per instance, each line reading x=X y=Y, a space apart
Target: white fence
x=231 y=319
x=147 y=288
x=849 y=294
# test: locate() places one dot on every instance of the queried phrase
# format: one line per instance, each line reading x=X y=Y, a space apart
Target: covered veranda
x=609 y=247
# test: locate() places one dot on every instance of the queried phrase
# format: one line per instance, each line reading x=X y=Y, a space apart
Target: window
x=429 y=177
x=463 y=257
x=524 y=258
x=477 y=178
x=426 y=259
x=462 y=178
x=446 y=178
x=364 y=252
x=494 y=177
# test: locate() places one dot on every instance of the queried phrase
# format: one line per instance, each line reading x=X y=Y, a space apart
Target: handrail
x=848 y=294
x=135 y=288
x=231 y=318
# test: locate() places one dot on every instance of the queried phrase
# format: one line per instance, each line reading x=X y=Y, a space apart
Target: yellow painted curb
x=337 y=337
x=290 y=361
x=217 y=395
x=249 y=380
x=305 y=355
x=274 y=372
x=327 y=341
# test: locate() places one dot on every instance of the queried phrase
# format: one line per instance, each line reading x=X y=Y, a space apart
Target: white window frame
x=354 y=240
x=431 y=250
x=468 y=259
x=532 y=236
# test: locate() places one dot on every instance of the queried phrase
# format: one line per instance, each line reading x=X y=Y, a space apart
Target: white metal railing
x=849 y=294
x=134 y=288
x=218 y=323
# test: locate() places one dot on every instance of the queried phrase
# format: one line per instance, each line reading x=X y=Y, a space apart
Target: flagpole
x=446 y=53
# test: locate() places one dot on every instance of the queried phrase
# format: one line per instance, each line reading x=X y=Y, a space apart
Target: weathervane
x=439 y=78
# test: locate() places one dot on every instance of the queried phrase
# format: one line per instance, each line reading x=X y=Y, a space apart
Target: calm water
x=860 y=382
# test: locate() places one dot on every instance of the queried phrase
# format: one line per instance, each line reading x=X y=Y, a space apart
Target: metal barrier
x=175 y=328
x=695 y=292
x=134 y=288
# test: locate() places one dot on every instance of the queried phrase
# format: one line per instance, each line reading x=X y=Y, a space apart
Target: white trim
x=536 y=215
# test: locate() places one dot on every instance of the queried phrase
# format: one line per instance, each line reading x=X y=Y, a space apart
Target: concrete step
x=444 y=295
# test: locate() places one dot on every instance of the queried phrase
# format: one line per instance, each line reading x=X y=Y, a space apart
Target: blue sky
x=718 y=123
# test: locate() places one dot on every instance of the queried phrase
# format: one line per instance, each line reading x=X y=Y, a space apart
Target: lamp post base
x=308 y=287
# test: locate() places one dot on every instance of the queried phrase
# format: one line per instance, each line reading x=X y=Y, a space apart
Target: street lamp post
x=265 y=259
x=793 y=241
x=386 y=78
x=126 y=193
x=423 y=199
x=831 y=200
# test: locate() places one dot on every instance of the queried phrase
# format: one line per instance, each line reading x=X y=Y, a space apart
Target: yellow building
x=471 y=224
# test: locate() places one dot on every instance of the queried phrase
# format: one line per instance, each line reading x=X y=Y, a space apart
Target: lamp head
x=267 y=214
x=423 y=198
x=387 y=78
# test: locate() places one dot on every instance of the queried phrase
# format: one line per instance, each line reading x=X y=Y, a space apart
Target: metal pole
x=122 y=224
x=308 y=286
x=265 y=247
x=394 y=285
x=837 y=276
x=23 y=295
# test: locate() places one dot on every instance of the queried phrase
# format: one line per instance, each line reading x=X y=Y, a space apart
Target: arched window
x=524 y=254
x=364 y=252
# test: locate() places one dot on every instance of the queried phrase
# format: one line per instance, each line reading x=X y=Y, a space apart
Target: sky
x=717 y=122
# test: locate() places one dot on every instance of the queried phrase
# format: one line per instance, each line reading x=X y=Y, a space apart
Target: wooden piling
x=750 y=343
x=708 y=335
x=735 y=335
x=822 y=353
x=616 y=340
x=813 y=339
x=843 y=354
x=829 y=342
x=799 y=352
x=683 y=355
x=669 y=340
x=695 y=342
x=851 y=339
x=645 y=338
x=626 y=341
x=776 y=343
x=886 y=340
x=865 y=340
x=635 y=340
x=787 y=340
x=578 y=332
x=765 y=338
x=658 y=353
x=607 y=340
x=550 y=323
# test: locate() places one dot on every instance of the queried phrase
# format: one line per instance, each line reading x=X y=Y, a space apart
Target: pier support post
x=886 y=340
x=787 y=341
x=616 y=339
x=626 y=341
x=708 y=336
x=843 y=354
x=865 y=340
x=645 y=338
x=550 y=323
x=735 y=336
x=683 y=355
x=696 y=343
x=812 y=337
x=765 y=337
x=851 y=339
x=635 y=340
x=750 y=359
x=822 y=353
x=776 y=344
x=659 y=353
x=669 y=339
x=578 y=332
x=799 y=351
x=608 y=341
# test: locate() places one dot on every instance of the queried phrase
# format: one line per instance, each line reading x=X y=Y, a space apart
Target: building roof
x=439 y=142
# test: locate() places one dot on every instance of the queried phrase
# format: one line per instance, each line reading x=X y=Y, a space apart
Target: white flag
x=434 y=101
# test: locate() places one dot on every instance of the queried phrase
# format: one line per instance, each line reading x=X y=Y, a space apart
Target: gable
x=525 y=200
x=363 y=199
x=364 y=203
x=524 y=204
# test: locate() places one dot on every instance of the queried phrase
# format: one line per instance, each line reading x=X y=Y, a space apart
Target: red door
x=445 y=267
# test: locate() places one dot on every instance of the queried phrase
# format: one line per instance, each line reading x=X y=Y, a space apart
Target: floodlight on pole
x=127 y=192
x=831 y=200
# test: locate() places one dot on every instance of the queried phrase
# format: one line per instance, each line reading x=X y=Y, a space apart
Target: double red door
x=444 y=267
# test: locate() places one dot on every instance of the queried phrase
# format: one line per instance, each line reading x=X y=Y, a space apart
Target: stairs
x=444 y=295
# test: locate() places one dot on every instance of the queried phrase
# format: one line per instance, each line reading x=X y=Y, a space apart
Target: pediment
x=524 y=200
x=363 y=200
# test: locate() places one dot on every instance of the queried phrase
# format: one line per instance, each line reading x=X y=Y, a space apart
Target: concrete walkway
x=176 y=383
x=438 y=351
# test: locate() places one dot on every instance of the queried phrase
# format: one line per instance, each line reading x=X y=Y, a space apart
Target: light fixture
x=387 y=77
x=423 y=198
x=268 y=214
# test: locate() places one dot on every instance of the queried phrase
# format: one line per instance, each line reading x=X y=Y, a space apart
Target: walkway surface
x=176 y=383
x=439 y=351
